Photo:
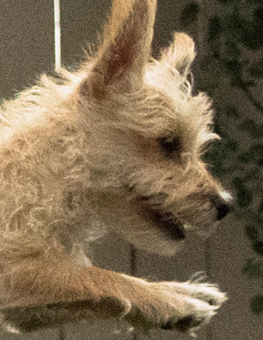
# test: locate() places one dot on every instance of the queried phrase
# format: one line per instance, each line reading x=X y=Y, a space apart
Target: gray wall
x=27 y=44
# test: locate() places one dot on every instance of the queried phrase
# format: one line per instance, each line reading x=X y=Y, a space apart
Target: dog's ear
x=180 y=54
x=125 y=48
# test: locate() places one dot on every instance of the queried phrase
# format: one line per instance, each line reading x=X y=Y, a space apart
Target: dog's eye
x=170 y=145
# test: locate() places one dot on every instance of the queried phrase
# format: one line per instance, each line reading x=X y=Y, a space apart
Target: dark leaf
x=260 y=209
x=225 y=1
x=256 y=1
x=231 y=145
x=256 y=152
x=252 y=26
x=234 y=67
x=253 y=129
x=258 y=247
x=253 y=269
x=232 y=52
x=253 y=173
x=244 y=158
x=258 y=12
x=189 y=14
x=244 y=196
x=256 y=71
x=257 y=304
x=215 y=28
x=232 y=112
x=253 y=43
x=252 y=232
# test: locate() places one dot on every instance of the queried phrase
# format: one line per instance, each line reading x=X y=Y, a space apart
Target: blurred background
x=229 y=67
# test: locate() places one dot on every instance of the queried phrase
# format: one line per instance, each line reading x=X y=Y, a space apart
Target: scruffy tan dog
x=117 y=144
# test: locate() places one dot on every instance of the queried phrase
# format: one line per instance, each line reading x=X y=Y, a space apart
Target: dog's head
x=147 y=134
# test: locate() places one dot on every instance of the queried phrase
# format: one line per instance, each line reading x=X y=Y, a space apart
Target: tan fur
x=87 y=152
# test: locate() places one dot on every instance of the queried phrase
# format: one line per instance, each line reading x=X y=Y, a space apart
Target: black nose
x=222 y=206
x=222 y=210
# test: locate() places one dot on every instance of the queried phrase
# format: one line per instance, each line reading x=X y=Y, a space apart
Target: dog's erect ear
x=180 y=54
x=125 y=47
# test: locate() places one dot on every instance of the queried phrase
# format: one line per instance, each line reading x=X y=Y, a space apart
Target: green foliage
x=251 y=232
x=257 y=304
x=258 y=247
x=244 y=196
x=250 y=127
x=237 y=27
x=215 y=28
x=253 y=156
x=253 y=269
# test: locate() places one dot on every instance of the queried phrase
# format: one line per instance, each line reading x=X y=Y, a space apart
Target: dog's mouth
x=169 y=225
x=165 y=221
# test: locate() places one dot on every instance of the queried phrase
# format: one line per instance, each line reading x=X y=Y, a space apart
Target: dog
x=117 y=144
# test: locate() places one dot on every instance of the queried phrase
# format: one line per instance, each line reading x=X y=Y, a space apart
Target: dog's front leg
x=43 y=292
x=44 y=295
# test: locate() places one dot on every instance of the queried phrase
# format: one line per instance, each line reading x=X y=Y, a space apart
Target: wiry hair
x=51 y=133
x=119 y=144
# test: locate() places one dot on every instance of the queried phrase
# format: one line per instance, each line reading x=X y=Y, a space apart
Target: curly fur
x=82 y=151
x=51 y=150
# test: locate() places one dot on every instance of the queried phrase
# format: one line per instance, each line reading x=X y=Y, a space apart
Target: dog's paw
x=198 y=288
x=193 y=304
x=209 y=293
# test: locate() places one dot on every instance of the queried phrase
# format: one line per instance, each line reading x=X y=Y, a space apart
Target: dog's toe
x=199 y=313
x=209 y=293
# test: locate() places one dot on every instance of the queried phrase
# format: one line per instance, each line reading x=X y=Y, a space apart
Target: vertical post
x=57 y=45
x=133 y=261
x=57 y=33
x=133 y=270
x=61 y=334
